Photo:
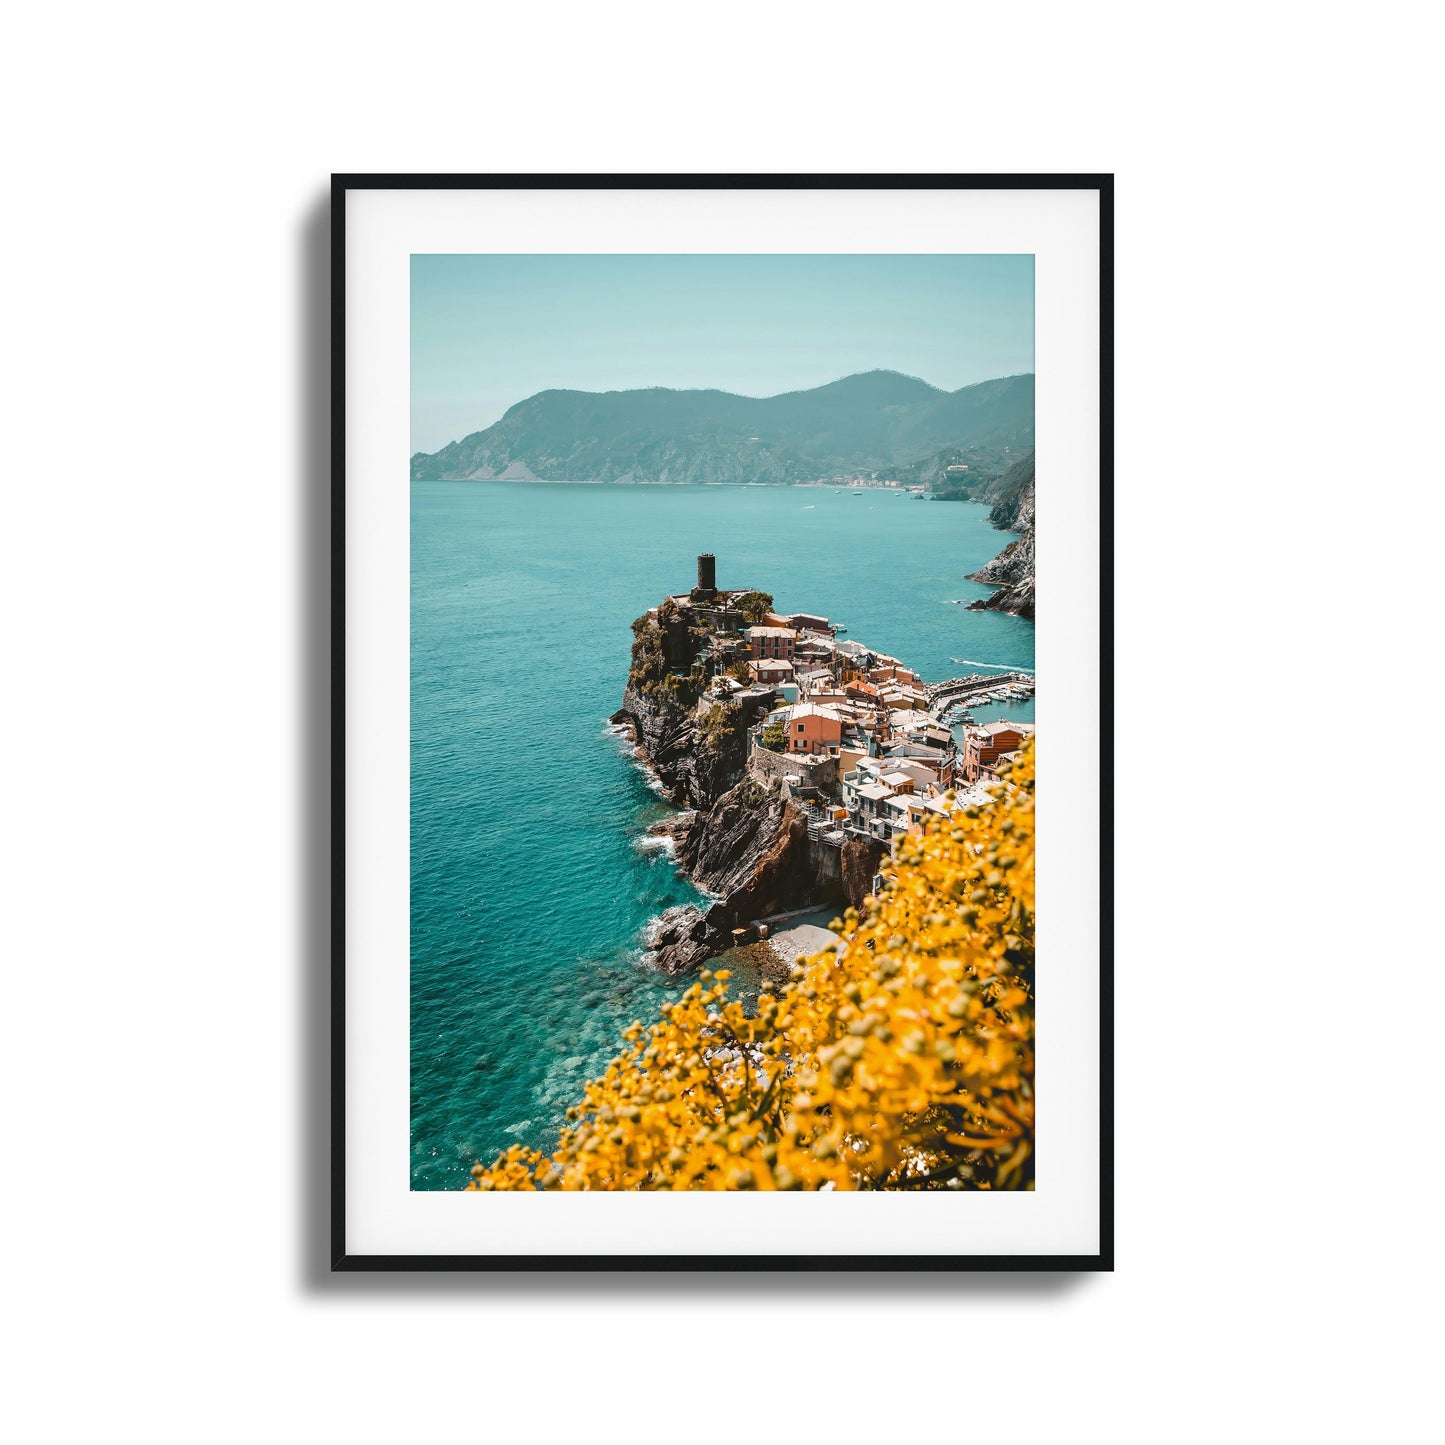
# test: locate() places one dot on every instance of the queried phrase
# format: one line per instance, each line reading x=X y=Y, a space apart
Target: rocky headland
x=1012 y=571
x=742 y=840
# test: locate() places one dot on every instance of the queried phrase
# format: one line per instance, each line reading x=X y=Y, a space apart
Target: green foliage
x=739 y=672
x=648 y=671
x=754 y=606
x=682 y=690
x=718 y=726
x=775 y=737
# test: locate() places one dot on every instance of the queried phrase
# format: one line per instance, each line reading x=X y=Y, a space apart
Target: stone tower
x=707 y=574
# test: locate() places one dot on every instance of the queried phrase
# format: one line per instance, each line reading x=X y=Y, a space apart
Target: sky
x=488 y=331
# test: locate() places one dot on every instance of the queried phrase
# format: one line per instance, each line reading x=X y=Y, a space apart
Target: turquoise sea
x=530 y=880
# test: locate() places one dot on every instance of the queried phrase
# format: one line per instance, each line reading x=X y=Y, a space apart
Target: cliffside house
x=925 y=775
x=868 y=812
x=810 y=654
x=907 y=720
x=864 y=692
x=813 y=729
x=941 y=763
x=900 y=697
x=894 y=672
x=774 y=644
x=984 y=746
x=773 y=672
x=809 y=622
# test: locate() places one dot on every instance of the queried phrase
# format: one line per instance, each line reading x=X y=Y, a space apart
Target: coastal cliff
x=745 y=842
x=1012 y=571
x=751 y=850
x=697 y=747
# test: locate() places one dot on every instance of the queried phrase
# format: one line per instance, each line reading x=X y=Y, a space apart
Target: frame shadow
x=316 y=1278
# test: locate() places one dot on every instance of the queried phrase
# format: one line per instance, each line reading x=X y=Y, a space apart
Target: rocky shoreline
x=1012 y=571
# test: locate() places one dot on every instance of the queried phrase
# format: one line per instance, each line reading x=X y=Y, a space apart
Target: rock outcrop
x=752 y=851
x=669 y=734
x=862 y=858
x=697 y=747
x=686 y=937
x=745 y=843
x=1012 y=571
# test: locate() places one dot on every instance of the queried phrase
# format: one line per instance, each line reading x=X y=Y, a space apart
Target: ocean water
x=531 y=878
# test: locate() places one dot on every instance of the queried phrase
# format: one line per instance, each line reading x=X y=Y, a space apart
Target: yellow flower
x=902 y=1059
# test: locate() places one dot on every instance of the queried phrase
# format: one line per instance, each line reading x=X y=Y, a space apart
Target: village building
x=813 y=729
x=867 y=754
x=940 y=764
x=869 y=812
x=899 y=698
x=808 y=622
x=775 y=644
x=925 y=775
x=816 y=680
x=767 y=670
x=984 y=747
x=909 y=719
x=893 y=672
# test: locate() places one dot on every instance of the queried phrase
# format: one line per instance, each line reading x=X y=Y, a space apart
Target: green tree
x=755 y=606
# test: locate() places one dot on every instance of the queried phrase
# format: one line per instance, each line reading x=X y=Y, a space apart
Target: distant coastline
x=877 y=425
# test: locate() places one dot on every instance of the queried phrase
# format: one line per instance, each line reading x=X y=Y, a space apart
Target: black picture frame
x=341 y=1259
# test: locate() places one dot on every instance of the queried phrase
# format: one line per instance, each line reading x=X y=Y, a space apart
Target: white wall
x=163 y=579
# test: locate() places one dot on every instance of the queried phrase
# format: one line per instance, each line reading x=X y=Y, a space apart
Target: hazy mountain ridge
x=874 y=421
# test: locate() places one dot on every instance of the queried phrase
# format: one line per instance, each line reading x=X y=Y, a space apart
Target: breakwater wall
x=960 y=687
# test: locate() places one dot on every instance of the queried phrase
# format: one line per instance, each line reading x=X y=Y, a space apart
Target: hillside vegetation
x=875 y=420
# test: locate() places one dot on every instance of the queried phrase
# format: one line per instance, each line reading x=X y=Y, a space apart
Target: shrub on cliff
x=775 y=737
x=718 y=726
x=649 y=657
x=901 y=1060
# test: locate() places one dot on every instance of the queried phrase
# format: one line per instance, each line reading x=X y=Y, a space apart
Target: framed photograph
x=693 y=831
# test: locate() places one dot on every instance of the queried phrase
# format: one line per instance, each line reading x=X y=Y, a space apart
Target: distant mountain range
x=877 y=421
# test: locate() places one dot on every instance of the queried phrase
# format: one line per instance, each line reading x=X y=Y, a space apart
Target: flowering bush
x=901 y=1059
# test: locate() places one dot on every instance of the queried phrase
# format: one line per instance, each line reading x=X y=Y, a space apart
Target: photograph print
x=722 y=723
